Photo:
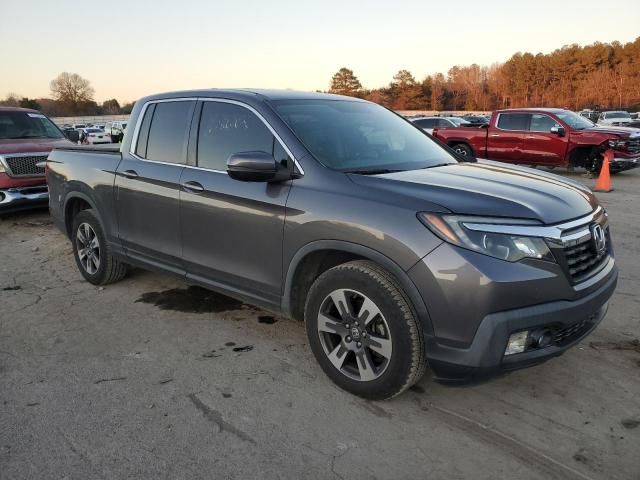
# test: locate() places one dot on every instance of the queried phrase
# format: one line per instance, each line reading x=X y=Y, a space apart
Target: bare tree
x=71 y=88
x=11 y=100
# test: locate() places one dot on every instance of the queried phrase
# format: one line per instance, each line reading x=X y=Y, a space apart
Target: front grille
x=567 y=335
x=25 y=165
x=634 y=145
x=582 y=259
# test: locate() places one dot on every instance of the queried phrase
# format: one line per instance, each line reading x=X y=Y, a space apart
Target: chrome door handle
x=193 y=186
x=130 y=174
x=494 y=135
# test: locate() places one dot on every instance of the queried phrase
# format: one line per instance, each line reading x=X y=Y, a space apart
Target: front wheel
x=364 y=332
x=462 y=149
x=92 y=254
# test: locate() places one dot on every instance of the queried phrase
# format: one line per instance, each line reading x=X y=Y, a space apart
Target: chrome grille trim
x=24 y=164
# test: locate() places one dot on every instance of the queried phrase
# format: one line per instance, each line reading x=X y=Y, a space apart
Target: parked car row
x=89 y=133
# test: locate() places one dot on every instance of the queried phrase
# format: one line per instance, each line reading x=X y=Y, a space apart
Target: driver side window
x=542 y=123
x=226 y=129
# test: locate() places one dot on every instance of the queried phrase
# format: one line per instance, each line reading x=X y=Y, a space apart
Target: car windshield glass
x=93 y=130
x=574 y=120
x=359 y=136
x=16 y=125
x=618 y=115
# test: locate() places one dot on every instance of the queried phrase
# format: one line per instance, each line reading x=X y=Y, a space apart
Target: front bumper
x=619 y=164
x=22 y=198
x=485 y=356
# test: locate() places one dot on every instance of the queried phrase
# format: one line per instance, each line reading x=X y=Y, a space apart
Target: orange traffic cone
x=604 y=179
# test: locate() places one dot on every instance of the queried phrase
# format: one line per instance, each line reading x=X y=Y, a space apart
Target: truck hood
x=491 y=189
x=611 y=130
x=31 y=145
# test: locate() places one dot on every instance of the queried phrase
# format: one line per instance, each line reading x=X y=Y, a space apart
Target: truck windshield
x=574 y=120
x=362 y=137
x=17 y=125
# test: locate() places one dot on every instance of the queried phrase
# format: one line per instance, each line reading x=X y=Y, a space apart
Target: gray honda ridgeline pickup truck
x=396 y=253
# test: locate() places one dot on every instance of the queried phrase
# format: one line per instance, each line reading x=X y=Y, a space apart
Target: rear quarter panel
x=86 y=174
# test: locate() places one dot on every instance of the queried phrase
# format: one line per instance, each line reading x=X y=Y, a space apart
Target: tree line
x=71 y=95
x=601 y=75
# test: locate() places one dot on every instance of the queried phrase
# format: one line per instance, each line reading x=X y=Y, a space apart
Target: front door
x=148 y=186
x=233 y=230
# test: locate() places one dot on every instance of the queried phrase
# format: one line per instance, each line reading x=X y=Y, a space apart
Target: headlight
x=617 y=143
x=512 y=248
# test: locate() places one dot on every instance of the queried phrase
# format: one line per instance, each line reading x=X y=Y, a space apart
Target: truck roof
x=251 y=93
x=533 y=109
x=17 y=109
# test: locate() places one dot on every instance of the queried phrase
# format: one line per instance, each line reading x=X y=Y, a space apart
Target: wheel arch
x=457 y=141
x=75 y=202
x=579 y=154
x=307 y=264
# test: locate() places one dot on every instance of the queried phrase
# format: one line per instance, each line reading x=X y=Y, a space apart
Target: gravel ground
x=151 y=378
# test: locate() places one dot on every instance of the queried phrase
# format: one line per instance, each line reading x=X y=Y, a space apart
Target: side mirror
x=558 y=131
x=256 y=167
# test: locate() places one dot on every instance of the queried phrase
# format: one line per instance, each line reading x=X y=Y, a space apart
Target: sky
x=128 y=49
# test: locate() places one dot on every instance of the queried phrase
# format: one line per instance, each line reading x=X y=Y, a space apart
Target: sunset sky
x=128 y=49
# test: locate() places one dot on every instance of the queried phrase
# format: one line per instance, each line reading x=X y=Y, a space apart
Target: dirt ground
x=149 y=378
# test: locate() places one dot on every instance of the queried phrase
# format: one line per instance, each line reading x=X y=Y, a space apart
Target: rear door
x=540 y=146
x=232 y=231
x=148 y=185
x=504 y=140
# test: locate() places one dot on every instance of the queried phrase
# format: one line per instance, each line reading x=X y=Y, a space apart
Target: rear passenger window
x=168 y=131
x=513 y=121
x=226 y=129
x=143 y=136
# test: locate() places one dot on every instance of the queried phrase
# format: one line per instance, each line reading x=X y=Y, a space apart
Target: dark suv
x=338 y=212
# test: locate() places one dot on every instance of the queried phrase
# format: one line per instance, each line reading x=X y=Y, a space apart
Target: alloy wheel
x=88 y=247
x=354 y=335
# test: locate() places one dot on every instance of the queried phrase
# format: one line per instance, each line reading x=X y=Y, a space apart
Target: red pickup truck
x=545 y=136
x=26 y=139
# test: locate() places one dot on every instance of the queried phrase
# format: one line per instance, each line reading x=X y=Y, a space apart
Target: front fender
x=405 y=282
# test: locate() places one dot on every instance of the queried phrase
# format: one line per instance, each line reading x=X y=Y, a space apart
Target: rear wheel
x=462 y=149
x=92 y=254
x=364 y=332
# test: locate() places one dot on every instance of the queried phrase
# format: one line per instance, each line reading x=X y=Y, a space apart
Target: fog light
x=517 y=343
x=540 y=338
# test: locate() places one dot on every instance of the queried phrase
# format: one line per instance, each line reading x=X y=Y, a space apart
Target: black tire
x=108 y=269
x=462 y=149
x=406 y=362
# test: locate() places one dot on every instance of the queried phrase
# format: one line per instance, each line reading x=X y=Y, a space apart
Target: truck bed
x=87 y=172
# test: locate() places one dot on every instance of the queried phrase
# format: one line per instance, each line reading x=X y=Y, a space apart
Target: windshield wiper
x=439 y=165
x=26 y=136
x=373 y=171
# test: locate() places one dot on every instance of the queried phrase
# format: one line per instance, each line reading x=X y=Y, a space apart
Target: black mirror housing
x=256 y=167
